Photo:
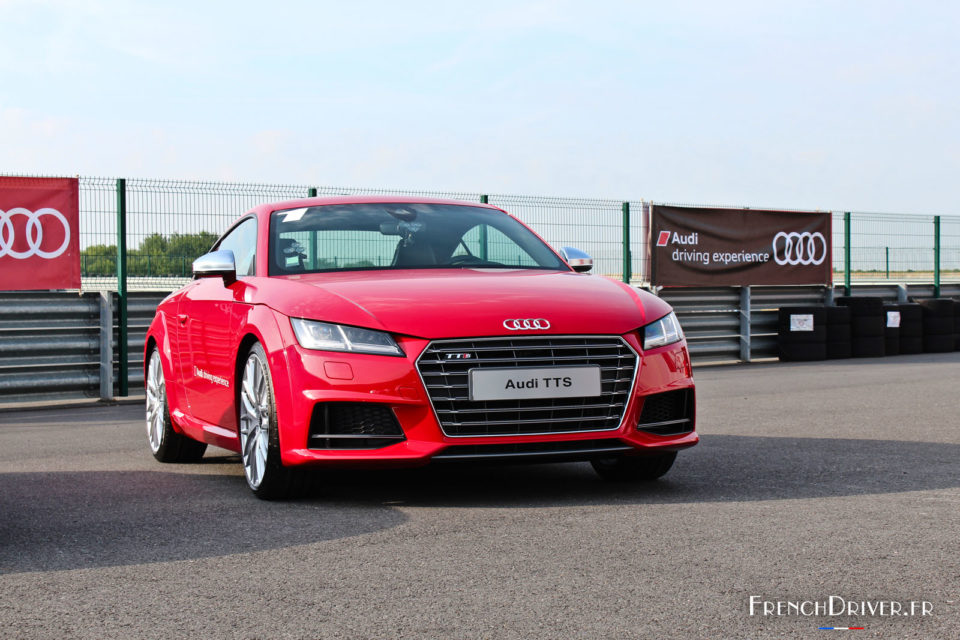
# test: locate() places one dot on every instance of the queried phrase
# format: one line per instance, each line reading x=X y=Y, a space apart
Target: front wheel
x=633 y=468
x=259 y=435
x=166 y=444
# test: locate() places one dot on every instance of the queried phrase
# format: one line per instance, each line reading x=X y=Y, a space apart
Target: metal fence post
x=627 y=264
x=846 y=253
x=903 y=294
x=936 y=256
x=122 y=356
x=745 y=331
x=484 y=199
x=312 y=193
x=106 y=345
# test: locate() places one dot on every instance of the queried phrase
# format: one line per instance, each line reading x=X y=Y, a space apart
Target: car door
x=207 y=318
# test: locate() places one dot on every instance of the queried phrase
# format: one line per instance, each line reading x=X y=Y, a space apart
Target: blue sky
x=833 y=105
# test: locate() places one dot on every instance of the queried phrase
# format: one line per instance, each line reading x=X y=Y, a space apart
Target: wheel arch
x=261 y=325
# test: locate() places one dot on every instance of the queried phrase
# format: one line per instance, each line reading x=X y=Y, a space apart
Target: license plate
x=520 y=384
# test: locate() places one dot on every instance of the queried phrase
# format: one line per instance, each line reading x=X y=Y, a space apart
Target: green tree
x=157 y=255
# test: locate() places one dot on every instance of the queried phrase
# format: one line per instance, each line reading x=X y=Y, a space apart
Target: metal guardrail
x=61 y=345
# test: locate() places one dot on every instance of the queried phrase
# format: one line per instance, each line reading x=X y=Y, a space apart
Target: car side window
x=243 y=242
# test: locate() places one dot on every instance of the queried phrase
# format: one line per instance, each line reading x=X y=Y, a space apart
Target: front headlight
x=664 y=331
x=324 y=336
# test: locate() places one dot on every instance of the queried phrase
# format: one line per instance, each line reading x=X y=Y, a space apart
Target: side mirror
x=216 y=263
x=578 y=260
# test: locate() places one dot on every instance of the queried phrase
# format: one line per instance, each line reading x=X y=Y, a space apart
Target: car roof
x=366 y=199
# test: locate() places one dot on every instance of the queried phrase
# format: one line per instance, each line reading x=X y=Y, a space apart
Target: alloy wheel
x=156 y=402
x=254 y=420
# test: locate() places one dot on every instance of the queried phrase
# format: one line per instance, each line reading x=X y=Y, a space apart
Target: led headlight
x=664 y=331
x=324 y=336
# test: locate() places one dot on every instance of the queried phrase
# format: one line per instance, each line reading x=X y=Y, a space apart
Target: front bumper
x=303 y=378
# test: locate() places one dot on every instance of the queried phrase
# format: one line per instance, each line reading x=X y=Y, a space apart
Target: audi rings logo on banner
x=34 y=231
x=526 y=324
x=799 y=248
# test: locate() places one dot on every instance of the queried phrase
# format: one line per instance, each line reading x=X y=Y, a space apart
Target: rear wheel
x=166 y=444
x=259 y=435
x=632 y=468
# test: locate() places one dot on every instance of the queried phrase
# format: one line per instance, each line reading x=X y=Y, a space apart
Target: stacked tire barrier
x=865 y=327
x=911 y=328
x=868 y=326
x=938 y=325
x=838 y=332
x=802 y=333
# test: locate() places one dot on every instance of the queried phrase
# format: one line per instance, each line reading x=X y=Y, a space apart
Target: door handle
x=183 y=318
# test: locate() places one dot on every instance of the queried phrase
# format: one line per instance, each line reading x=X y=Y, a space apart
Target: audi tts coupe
x=390 y=331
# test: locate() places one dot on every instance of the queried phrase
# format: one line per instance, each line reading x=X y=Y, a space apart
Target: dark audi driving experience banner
x=692 y=246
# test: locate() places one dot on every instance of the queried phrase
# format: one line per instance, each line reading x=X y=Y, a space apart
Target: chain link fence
x=169 y=223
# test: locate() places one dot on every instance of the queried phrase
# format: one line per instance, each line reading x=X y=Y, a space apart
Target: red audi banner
x=691 y=246
x=39 y=233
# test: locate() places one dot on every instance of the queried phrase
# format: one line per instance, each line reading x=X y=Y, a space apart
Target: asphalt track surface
x=812 y=480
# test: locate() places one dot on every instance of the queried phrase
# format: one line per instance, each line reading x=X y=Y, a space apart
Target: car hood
x=448 y=303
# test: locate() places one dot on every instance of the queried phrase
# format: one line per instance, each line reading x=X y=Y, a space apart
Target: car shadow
x=72 y=520
x=723 y=468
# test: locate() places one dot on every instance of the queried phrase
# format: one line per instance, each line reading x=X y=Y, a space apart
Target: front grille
x=669 y=413
x=567 y=450
x=447 y=382
x=353 y=425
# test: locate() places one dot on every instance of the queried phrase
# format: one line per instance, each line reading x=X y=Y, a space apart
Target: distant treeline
x=157 y=255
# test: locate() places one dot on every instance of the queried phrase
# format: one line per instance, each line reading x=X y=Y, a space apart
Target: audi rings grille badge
x=526 y=324
x=799 y=248
x=34 y=231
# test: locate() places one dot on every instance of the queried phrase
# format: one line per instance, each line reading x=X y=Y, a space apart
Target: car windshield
x=348 y=237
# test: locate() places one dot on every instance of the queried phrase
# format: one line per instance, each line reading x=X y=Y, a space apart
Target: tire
x=166 y=444
x=937 y=326
x=861 y=306
x=259 y=432
x=838 y=315
x=868 y=326
x=634 y=468
x=838 y=349
x=872 y=347
x=911 y=329
x=910 y=345
x=839 y=332
x=937 y=307
x=891 y=345
x=910 y=313
x=938 y=344
x=803 y=352
x=818 y=334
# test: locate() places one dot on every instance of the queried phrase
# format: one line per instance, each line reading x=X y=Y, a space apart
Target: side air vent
x=353 y=425
x=667 y=414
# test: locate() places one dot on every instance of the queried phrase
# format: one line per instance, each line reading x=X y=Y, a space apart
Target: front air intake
x=667 y=414
x=353 y=425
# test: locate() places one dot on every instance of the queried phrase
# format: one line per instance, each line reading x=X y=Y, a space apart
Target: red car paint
x=200 y=329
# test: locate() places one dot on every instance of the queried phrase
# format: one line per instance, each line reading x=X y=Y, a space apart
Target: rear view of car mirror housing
x=216 y=263
x=578 y=260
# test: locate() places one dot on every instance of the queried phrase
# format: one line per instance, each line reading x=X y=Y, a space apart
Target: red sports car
x=392 y=331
